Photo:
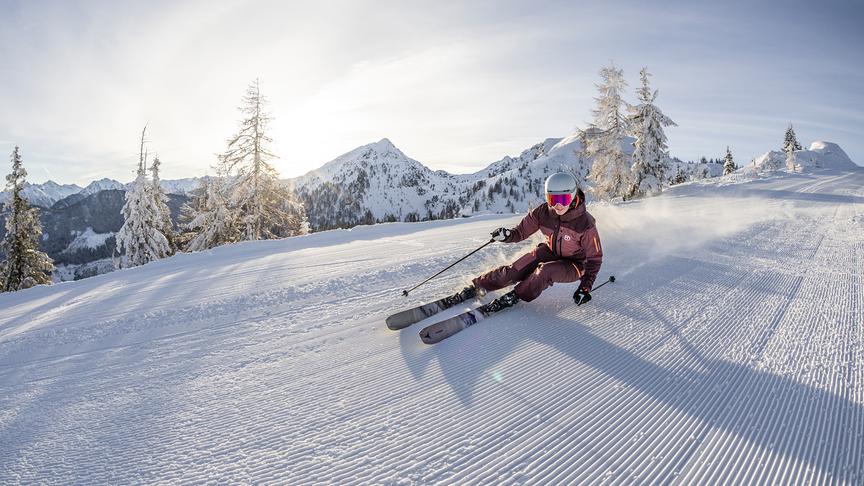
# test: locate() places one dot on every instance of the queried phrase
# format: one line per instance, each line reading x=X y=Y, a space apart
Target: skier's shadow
x=781 y=415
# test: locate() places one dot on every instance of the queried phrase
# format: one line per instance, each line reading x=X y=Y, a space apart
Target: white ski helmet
x=562 y=188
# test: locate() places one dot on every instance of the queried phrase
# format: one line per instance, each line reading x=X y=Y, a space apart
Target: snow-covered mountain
x=729 y=351
x=181 y=187
x=820 y=155
x=103 y=184
x=45 y=194
x=377 y=182
x=176 y=186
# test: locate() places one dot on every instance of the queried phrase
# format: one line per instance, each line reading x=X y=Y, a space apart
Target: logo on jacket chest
x=564 y=236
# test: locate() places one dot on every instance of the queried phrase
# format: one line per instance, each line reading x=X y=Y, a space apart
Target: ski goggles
x=556 y=199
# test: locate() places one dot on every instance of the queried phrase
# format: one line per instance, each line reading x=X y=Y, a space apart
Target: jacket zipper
x=555 y=242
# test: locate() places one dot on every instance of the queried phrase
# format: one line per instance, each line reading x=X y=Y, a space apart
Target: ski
x=441 y=330
x=405 y=318
x=435 y=333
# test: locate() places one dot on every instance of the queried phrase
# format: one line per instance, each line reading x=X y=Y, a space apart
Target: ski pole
x=405 y=292
x=611 y=279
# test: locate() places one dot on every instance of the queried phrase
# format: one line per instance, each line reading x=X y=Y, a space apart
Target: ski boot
x=467 y=293
x=507 y=300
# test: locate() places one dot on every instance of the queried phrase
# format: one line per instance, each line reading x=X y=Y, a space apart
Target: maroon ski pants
x=532 y=273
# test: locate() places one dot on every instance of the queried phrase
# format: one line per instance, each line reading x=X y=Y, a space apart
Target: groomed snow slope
x=729 y=351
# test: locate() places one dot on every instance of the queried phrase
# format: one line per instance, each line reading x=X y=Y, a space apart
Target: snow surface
x=728 y=351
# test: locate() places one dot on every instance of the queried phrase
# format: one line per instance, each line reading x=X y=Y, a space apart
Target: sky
x=455 y=85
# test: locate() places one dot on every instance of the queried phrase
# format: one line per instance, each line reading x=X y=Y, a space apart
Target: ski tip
x=426 y=337
x=432 y=335
x=397 y=322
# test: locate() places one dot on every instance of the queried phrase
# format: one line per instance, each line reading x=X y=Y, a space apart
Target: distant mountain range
x=370 y=184
x=49 y=193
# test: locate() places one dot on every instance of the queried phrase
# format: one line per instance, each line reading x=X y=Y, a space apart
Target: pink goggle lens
x=562 y=199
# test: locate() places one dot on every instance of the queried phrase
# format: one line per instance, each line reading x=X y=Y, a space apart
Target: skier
x=571 y=252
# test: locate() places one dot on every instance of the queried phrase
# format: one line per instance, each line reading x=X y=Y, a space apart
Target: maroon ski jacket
x=572 y=236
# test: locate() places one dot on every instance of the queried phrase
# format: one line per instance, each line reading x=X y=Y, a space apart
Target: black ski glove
x=582 y=296
x=501 y=234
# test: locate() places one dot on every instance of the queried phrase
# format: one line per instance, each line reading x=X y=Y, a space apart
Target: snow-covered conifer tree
x=161 y=201
x=680 y=177
x=790 y=145
x=610 y=173
x=140 y=236
x=650 y=156
x=207 y=218
x=261 y=205
x=790 y=141
x=729 y=164
x=24 y=265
